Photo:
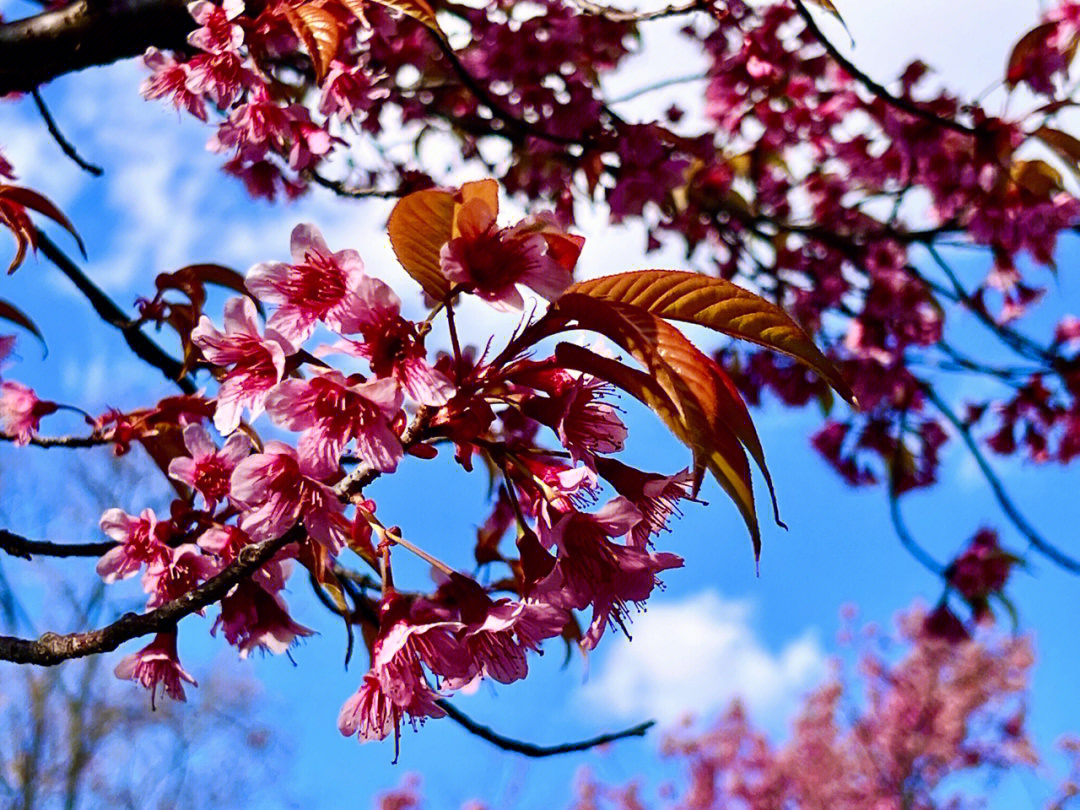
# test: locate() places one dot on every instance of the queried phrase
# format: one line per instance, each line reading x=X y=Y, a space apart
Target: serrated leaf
x=835 y=12
x=9 y=312
x=422 y=222
x=693 y=399
x=719 y=305
x=320 y=32
x=191 y=280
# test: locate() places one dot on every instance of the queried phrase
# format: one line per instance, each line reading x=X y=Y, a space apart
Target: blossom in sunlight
x=592 y=570
x=255 y=363
x=276 y=488
x=138 y=543
x=318 y=286
x=208 y=469
x=331 y=410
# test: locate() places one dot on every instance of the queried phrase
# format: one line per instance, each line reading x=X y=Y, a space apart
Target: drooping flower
x=318 y=285
x=575 y=410
x=21 y=411
x=256 y=363
x=157 y=664
x=171 y=79
x=396 y=686
x=208 y=469
x=331 y=410
x=656 y=496
x=498 y=644
x=593 y=570
x=277 y=489
x=174 y=573
x=138 y=543
x=491 y=261
x=254 y=617
x=392 y=345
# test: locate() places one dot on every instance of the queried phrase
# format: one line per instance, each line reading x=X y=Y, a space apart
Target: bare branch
x=69 y=442
x=58 y=136
x=51 y=649
x=878 y=89
x=18 y=546
x=108 y=311
x=343 y=189
x=530 y=749
x=1037 y=541
x=37 y=49
x=620 y=16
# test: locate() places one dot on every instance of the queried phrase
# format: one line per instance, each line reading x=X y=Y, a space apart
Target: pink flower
x=217 y=32
x=171 y=79
x=585 y=424
x=21 y=411
x=226 y=542
x=331 y=410
x=276 y=490
x=591 y=569
x=319 y=285
x=656 y=496
x=258 y=363
x=492 y=261
x=254 y=617
x=156 y=664
x=176 y=572
x=392 y=344
x=395 y=686
x=208 y=469
x=139 y=543
x=498 y=644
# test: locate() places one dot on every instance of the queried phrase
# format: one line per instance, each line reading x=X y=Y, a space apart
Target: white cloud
x=695 y=656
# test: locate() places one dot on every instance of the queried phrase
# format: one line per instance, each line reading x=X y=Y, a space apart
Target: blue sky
x=716 y=631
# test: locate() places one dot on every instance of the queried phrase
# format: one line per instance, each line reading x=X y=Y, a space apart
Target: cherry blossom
x=156 y=665
x=208 y=469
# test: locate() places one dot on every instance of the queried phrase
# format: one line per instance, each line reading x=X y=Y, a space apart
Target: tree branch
x=18 y=546
x=108 y=311
x=37 y=49
x=878 y=89
x=531 y=749
x=1037 y=541
x=69 y=442
x=65 y=145
x=51 y=649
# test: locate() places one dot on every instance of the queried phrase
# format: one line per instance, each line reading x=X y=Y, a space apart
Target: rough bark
x=37 y=49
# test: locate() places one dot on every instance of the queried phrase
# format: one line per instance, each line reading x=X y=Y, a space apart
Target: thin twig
x=343 y=189
x=878 y=89
x=61 y=141
x=618 y=15
x=531 y=749
x=107 y=309
x=51 y=649
x=19 y=546
x=902 y=531
x=70 y=442
x=1037 y=541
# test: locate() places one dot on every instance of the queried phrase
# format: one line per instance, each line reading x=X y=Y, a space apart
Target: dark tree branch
x=108 y=311
x=878 y=89
x=70 y=442
x=18 y=546
x=530 y=749
x=343 y=189
x=1037 y=541
x=58 y=136
x=37 y=49
x=51 y=649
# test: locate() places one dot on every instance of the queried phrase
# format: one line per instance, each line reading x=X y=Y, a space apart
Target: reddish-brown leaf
x=1028 y=45
x=9 y=312
x=320 y=32
x=27 y=198
x=694 y=397
x=417 y=9
x=422 y=222
x=718 y=305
